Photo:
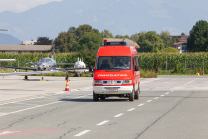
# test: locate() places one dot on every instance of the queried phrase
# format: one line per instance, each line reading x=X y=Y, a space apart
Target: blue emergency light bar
x=114 y=43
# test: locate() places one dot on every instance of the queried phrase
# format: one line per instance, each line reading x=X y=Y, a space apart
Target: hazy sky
x=23 y=5
x=18 y=6
x=185 y=13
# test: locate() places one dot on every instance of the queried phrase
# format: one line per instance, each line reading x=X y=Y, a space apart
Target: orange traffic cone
x=67 y=85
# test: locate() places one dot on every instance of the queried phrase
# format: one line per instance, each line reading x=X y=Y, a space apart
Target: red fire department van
x=116 y=72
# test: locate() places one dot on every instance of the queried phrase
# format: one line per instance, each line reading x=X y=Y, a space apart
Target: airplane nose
x=41 y=66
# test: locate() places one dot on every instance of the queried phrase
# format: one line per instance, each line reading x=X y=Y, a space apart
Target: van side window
x=136 y=61
x=133 y=61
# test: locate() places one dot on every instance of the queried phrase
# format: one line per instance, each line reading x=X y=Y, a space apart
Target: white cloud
x=19 y=6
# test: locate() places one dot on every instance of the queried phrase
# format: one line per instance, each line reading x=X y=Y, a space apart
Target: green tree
x=69 y=41
x=198 y=40
x=120 y=36
x=90 y=41
x=167 y=39
x=61 y=42
x=80 y=31
x=150 y=41
x=183 y=33
x=106 y=34
x=134 y=37
x=44 y=41
x=170 y=50
x=175 y=39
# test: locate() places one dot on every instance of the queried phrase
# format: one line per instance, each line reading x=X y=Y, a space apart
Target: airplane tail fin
x=53 y=51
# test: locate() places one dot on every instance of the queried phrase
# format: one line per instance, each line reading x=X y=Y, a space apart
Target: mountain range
x=8 y=39
x=124 y=17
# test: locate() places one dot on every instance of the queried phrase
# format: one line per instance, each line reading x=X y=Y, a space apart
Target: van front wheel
x=137 y=93
x=95 y=97
x=131 y=95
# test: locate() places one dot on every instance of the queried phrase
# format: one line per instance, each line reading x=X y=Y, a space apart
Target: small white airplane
x=48 y=65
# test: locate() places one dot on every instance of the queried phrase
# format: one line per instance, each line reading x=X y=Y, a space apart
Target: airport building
x=182 y=44
x=25 y=48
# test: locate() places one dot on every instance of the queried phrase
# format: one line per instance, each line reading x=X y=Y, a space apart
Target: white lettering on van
x=112 y=75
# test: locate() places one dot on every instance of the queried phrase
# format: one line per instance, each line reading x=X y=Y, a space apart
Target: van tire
x=131 y=95
x=102 y=98
x=95 y=97
x=139 y=89
x=137 y=93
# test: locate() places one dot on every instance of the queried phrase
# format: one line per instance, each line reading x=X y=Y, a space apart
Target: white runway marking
x=82 y=133
x=189 y=82
x=8 y=132
x=2 y=114
x=103 y=122
x=149 y=100
x=79 y=97
x=30 y=108
x=118 y=115
x=54 y=94
x=162 y=95
x=141 y=104
x=156 y=97
x=131 y=109
x=167 y=93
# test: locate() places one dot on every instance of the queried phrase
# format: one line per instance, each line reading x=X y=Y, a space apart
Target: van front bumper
x=112 y=89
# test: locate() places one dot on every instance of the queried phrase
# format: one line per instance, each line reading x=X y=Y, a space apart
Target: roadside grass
x=187 y=72
x=148 y=74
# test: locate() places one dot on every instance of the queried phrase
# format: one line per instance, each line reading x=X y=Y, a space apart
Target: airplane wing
x=72 y=70
x=4 y=30
x=26 y=73
x=31 y=63
x=65 y=63
x=7 y=60
x=33 y=69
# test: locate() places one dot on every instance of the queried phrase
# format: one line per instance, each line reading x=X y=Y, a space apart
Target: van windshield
x=113 y=62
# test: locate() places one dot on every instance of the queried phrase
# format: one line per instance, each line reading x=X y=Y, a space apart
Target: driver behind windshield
x=123 y=63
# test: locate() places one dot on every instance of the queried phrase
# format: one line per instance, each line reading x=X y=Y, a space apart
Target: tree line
x=86 y=38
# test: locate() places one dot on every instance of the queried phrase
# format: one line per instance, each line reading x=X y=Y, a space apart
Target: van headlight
x=98 y=82
x=127 y=81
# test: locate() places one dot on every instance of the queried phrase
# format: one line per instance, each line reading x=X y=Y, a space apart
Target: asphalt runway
x=168 y=108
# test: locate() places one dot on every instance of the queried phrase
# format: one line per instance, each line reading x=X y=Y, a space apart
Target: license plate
x=111 y=90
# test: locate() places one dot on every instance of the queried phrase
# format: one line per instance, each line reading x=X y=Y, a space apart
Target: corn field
x=158 y=62
x=174 y=63
x=23 y=58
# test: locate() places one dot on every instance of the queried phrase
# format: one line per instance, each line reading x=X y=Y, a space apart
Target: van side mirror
x=136 y=68
x=90 y=68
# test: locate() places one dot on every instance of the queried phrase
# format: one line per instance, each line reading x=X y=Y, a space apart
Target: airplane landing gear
x=26 y=78
x=42 y=79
